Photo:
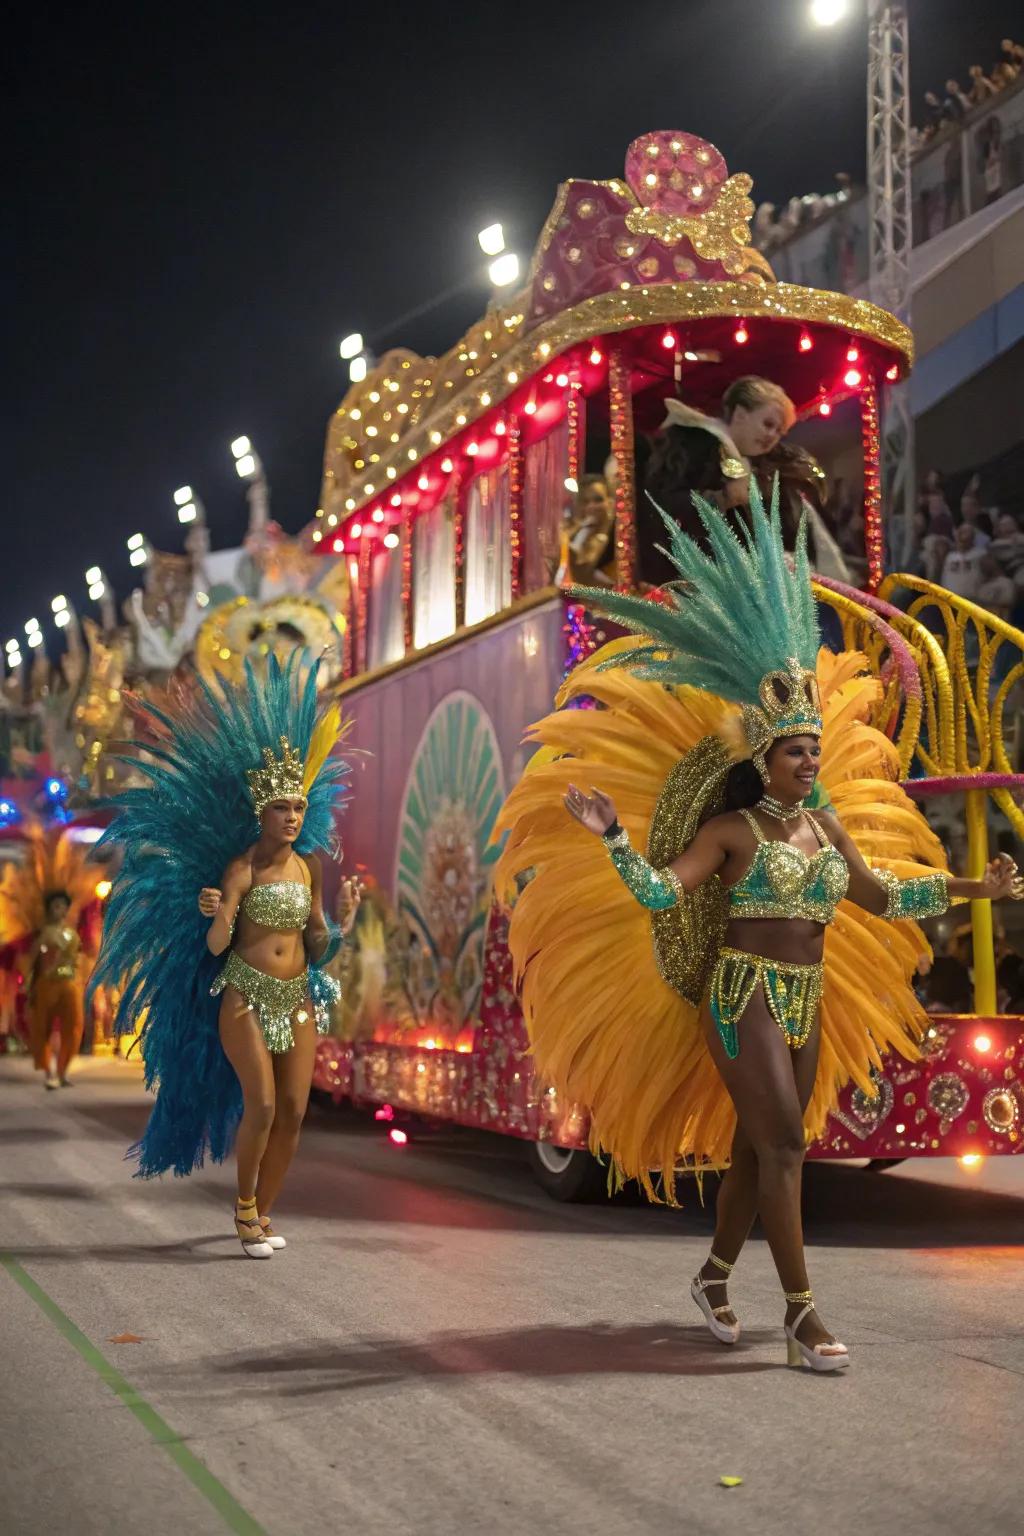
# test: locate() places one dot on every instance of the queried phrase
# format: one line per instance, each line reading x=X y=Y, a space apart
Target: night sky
x=203 y=200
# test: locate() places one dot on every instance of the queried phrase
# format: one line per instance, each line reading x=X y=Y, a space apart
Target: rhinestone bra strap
x=751 y=820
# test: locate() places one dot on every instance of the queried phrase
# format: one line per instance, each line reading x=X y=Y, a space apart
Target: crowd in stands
x=944 y=111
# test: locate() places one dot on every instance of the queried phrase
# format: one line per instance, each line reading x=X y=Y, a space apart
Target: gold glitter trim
x=601 y=315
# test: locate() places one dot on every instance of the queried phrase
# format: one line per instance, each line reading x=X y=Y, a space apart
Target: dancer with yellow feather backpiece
x=709 y=1001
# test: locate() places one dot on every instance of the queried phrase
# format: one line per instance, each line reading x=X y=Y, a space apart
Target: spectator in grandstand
x=955 y=105
x=1013 y=55
x=990 y=153
x=949 y=986
x=937 y=548
x=933 y=500
x=996 y=590
x=1008 y=543
x=972 y=511
x=982 y=88
x=1004 y=75
x=961 y=571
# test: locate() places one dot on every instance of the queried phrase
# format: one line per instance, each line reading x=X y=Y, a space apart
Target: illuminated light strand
x=459 y=541
x=870 y=446
x=515 y=504
x=363 y=600
x=620 y=415
x=573 y=412
x=407 y=581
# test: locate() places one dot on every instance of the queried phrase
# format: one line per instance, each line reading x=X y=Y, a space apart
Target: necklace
x=769 y=806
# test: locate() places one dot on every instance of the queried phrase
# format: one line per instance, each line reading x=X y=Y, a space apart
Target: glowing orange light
x=852 y=378
x=398 y=1137
x=596 y=357
x=982 y=1043
x=742 y=336
x=970 y=1160
x=805 y=343
x=668 y=341
x=353 y=569
x=103 y=889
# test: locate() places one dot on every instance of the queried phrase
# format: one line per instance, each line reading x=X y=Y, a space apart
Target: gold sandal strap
x=726 y=1269
x=799 y=1298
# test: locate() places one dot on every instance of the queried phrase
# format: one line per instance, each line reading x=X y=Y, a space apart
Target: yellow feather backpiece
x=51 y=862
x=607 y=1031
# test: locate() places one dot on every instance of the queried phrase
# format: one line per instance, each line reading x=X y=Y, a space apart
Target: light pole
x=249 y=466
x=889 y=229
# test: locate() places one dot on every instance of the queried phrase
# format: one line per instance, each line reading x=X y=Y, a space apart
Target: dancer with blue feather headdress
x=242 y=796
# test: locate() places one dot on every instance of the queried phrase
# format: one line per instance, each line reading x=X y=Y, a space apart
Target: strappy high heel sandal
x=273 y=1238
x=814 y=1356
x=725 y=1333
x=250 y=1232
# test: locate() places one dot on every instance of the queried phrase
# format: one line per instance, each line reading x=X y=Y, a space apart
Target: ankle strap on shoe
x=726 y=1269
x=799 y=1298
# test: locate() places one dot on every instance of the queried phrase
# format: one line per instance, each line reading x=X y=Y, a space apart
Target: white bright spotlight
x=62 y=618
x=93 y=575
x=505 y=270
x=351 y=347
x=241 y=447
x=136 y=541
x=58 y=604
x=188 y=512
x=492 y=240
x=825 y=13
x=245 y=464
x=97 y=589
x=182 y=495
x=357 y=370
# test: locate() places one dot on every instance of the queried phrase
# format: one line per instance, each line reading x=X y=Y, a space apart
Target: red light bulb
x=893 y=373
x=423 y=483
x=824 y=409
x=852 y=377
x=805 y=343
x=742 y=336
x=398 y=1137
x=499 y=429
x=668 y=341
x=853 y=356
x=596 y=357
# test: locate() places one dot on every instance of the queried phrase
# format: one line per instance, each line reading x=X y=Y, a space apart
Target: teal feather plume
x=177 y=834
x=737 y=613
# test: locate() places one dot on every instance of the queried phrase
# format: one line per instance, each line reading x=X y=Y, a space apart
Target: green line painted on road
x=199 y=1475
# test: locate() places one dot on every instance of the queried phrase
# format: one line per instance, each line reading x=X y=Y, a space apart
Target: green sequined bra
x=783 y=882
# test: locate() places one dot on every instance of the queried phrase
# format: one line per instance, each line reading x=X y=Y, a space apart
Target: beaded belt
x=275 y=1002
x=792 y=993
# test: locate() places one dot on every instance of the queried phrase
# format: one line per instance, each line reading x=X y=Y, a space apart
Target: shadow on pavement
x=594 y=1349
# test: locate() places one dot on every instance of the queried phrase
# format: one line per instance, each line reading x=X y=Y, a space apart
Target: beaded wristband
x=656 y=889
x=923 y=896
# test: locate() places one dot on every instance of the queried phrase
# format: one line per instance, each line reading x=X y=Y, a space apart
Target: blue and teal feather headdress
x=740 y=623
x=178 y=833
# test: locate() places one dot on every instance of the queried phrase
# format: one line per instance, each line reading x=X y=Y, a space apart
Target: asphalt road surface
x=443 y=1349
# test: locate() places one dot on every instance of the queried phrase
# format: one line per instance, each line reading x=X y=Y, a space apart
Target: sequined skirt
x=792 y=993
x=275 y=1002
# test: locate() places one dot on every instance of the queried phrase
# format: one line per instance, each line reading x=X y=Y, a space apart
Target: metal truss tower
x=889 y=233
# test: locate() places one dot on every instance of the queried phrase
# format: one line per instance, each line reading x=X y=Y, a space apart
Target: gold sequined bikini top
x=283 y=905
x=784 y=882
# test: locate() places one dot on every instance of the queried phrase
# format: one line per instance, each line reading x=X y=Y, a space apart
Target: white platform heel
x=814 y=1356
x=250 y=1233
x=725 y=1333
x=273 y=1238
